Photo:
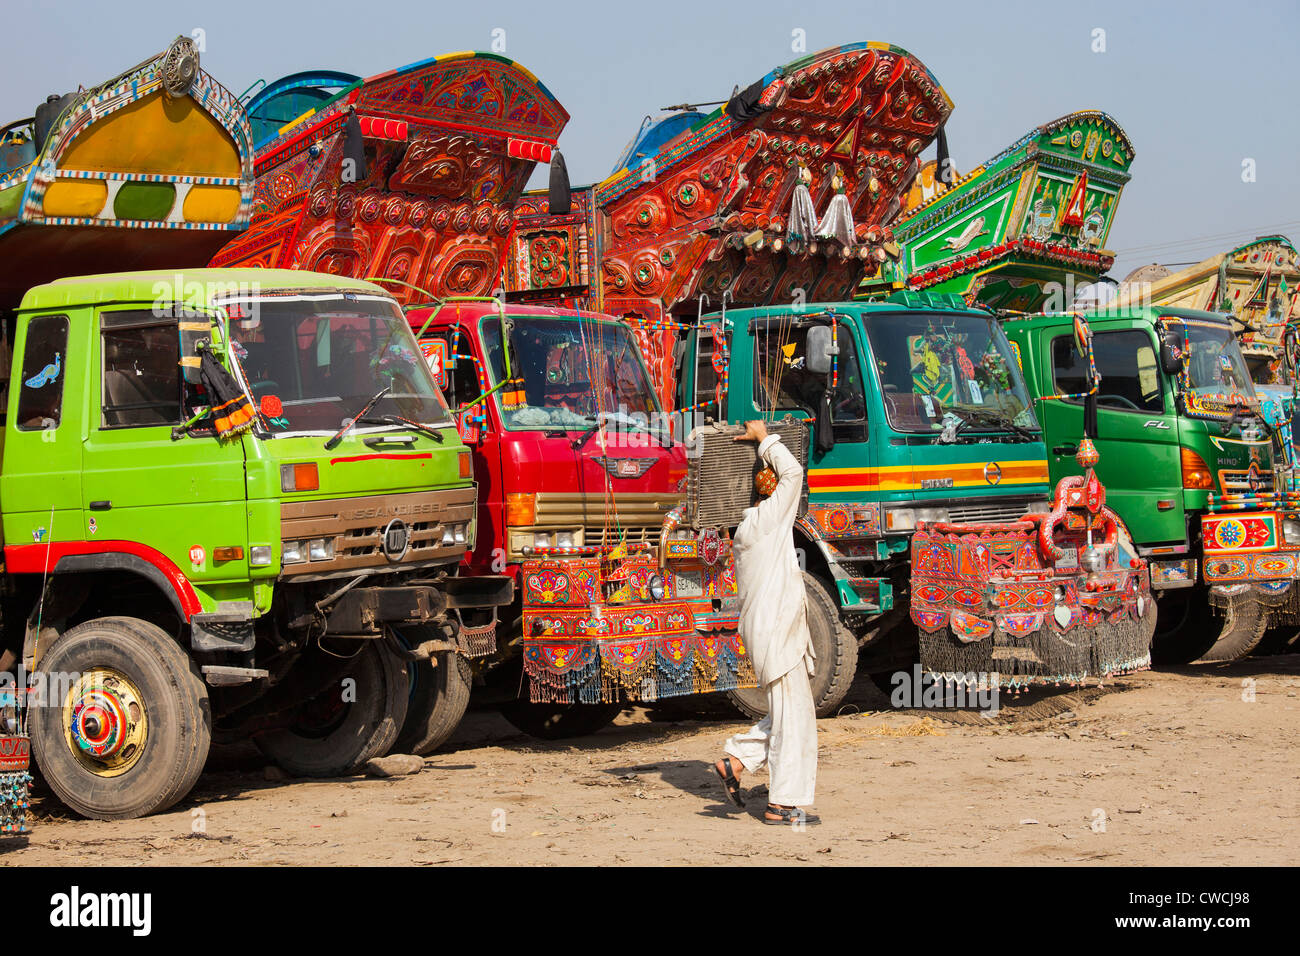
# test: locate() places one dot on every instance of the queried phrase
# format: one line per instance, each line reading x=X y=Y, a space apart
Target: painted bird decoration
x=47 y=374
x=974 y=229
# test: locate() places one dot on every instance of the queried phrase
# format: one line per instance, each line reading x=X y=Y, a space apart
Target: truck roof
x=471 y=310
x=1147 y=313
x=917 y=302
x=154 y=285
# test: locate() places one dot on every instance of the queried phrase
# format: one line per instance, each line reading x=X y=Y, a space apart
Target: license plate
x=689 y=584
x=1069 y=558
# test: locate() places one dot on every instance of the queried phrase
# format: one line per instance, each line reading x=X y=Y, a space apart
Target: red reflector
x=377 y=127
x=528 y=149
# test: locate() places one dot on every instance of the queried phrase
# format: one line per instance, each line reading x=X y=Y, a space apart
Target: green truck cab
x=1182 y=445
x=168 y=578
x=918 y=413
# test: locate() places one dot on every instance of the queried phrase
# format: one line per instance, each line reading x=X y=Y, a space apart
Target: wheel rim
x=105 y=722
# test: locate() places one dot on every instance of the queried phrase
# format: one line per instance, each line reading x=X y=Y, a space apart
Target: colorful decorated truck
x=1257 y=283
x=1024 y=231
x=581 y=490
x=918 y=414
x=1187 y=461
x=150 y=169
x=234 y=503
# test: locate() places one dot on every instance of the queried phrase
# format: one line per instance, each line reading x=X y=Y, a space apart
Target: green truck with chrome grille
x=233 y=505
x=1187 y=461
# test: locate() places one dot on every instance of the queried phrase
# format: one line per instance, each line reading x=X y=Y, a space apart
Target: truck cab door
x=1137 y=425
x=143 y=492
x=40 y=484
x=461 y=381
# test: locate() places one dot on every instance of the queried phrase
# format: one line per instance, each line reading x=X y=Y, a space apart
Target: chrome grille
x=357 y=525
x=1238 y=480
x=636 y=517
x=992 y=510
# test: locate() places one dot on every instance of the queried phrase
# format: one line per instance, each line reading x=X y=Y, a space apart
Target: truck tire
x=437 y=701
x=337 y=732
x=129 y=736
x=837 y=657
x=559 y=721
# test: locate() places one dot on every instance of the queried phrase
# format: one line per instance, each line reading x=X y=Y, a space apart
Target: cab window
x=141 y=381
x=782 y=381
x=45 y=354
x=1127 y=363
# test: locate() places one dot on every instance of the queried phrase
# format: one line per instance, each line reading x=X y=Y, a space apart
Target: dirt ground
x=1176 y=767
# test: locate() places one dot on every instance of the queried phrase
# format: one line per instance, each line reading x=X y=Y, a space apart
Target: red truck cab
x=580 y=483
x=581 y=455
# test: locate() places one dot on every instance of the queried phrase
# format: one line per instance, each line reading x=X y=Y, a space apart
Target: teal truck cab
x=1187 y=460
x=918 y=413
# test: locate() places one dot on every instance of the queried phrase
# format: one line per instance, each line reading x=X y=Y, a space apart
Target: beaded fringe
x=14 y=801
x=1085 y=652
x=658 y=677
x=477 y=641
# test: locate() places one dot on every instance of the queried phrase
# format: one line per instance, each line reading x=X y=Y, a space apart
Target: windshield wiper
x=606 y=417
x=971 y=417
x=433 y=433
x=348 y=423
x=586 y=436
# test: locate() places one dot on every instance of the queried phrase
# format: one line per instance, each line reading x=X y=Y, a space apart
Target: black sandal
x=790 y=816
x=729 y=782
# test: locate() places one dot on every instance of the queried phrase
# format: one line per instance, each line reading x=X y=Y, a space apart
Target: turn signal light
x=463 y=457
x=521 y=509
x=227 y=554
x=1196 y=473
x=302 y=477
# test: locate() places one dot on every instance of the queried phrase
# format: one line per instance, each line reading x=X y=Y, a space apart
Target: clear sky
x=1199 y=87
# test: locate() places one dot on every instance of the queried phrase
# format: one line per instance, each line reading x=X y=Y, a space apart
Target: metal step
x=218 y=675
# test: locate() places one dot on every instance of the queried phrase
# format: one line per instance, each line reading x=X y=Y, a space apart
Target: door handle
x=101 y=505
x=1065 y=450
x=376 y=440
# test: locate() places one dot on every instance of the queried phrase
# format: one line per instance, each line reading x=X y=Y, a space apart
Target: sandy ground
x=1166 y=768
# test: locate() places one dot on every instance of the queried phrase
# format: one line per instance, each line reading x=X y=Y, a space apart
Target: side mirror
x=1171 y=361
x=819 y=350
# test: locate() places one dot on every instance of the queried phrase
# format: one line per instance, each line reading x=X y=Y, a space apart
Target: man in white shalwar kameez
x=774 y=626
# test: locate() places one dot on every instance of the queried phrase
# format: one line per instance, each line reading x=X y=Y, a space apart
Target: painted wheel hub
x=105 y=721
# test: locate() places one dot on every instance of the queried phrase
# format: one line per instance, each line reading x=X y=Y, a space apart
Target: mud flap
x=1245 y=618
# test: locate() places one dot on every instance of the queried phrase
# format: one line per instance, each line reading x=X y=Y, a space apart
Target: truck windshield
x=313 y=360
x=1216 y=365
x=931 y=364
x=1267 y=369
x=574 y=371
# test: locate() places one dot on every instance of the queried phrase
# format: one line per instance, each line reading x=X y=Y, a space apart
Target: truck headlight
x=541 y=540
x=260 y=556
x=1291 y=531
x=905 y=519
x=656 y=587
x=291 y=552
x=458 y=533
x=320 y=549
x=900 y=519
